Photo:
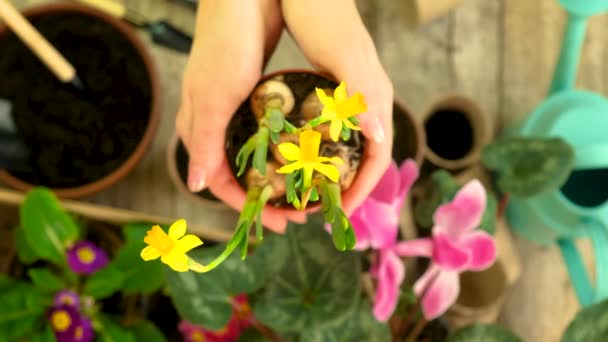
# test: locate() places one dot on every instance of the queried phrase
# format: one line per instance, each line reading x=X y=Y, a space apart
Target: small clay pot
x=127 y=166
x=177 y=165
x=456 y=130
x=409 y=137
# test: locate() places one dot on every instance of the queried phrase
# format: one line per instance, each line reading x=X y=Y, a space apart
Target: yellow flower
x=170 y=248
x=340 y=108
x=306 y=157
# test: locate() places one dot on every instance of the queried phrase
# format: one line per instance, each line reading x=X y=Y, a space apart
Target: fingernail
x=196 y=181
x=378 y=133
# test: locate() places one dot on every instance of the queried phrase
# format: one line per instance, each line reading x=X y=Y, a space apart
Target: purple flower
x=69 y=326
x=66 y=297
x=86 y=258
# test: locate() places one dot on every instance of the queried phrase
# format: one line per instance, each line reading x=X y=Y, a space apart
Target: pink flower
x=455 y=247
x=376 y=221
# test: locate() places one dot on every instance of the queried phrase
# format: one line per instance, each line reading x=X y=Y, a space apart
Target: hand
x=335 y=40
x=232 y=41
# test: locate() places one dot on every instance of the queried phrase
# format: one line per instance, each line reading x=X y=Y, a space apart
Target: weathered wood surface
x=499 y=52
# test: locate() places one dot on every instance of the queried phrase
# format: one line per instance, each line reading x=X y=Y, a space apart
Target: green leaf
x=26 y=254
x=527 y=166
x=345 y=133
x=261 y=150
x=483 y=333
x=148 y=332
x=205 y=298
x=104 y=282
x=46 y=335
x=6 y=282
x=275 y=136
x=317 y=287
x=47 y=227
x=289 y=128
x=275 y=121
x=139 y=276
x=252 y=335
x=243 y=156
x=111 y=331
x=360 y=325
x=314 y=195
x=46 y=280
x=589 y=325
x=23 y=308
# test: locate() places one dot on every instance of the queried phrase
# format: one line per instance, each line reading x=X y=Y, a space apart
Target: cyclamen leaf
x=148 y=332
x=589 y=325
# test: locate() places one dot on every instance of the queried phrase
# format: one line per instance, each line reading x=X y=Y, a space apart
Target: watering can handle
x=564 y=74
x=586 y=293
x=591 y=157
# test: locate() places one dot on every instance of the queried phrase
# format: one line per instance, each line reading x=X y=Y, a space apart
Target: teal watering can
x=580 y=208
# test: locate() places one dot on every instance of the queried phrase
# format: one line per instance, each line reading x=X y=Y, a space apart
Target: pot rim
x=154 y=116
x=480 y=123
x=418 y=129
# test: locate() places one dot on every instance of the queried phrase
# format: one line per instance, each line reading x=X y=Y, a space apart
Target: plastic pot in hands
x=295 y=145
x=80 y=146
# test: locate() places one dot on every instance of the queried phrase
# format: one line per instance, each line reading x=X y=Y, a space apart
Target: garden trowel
x=14 y=154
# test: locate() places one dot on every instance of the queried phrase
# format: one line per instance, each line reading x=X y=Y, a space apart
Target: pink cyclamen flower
x=456 y=246
x=86 y=258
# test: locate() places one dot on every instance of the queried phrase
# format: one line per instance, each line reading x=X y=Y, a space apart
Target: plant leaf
x=484 y=333
x=360 y=325
x=22 y=309
x=112 y=331
x=528 y=166
x=139 y=276
x=48 y=229
x=317 y=287
x=589 y=325
x=261 y=150
x=26 y=254
x=45 y=280
x=243 y=156
x=148 y=332
x=251 y=335
x=104 y=282
x=275 y=121
x=46 y=335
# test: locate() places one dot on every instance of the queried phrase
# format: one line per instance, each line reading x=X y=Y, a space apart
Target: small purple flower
x=69 y=325
x=66 y=297
x=86 y=258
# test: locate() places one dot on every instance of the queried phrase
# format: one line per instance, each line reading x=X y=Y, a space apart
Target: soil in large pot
x=74 y=141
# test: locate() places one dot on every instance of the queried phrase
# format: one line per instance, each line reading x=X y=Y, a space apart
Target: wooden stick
x=62 y=69
x=118 y=216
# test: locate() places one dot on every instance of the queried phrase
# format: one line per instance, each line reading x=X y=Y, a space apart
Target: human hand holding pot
x=222 y=72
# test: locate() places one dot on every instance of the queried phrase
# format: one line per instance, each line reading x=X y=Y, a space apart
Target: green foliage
x=342 y=232
x=527 y=166
x=442 y=189
x=104 y=282
x=484 y=333
x=148 y=332
x=23 y=309
x=112 y=331
x=205 y=298
x=317 y=287
x=47 y=228
x=359 y=326
x=45 y=280
x=46 y=335
x=26 y=254
x=589 y=325
x=252 y=335
x=138 y=276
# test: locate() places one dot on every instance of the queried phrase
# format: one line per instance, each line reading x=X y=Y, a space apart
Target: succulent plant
x=442 y=189
x=528 y=166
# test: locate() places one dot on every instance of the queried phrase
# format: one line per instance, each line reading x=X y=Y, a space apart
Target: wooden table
x=499 y=52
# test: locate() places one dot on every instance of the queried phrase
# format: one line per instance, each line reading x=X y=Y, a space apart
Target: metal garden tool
x=161 y=31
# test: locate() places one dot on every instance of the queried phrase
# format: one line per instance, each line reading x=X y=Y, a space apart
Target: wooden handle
x=111 y=7
x=62 y=69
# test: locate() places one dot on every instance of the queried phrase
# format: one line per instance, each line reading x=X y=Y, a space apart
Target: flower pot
x=409 y=136
x=177 y=164
x=80 y=146
x=457 y=130
x=301 y=84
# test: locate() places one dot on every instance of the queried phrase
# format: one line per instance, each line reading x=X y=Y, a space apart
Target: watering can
x=580 y=208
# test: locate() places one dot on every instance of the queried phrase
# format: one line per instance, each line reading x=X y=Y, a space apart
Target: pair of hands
x=232 y=43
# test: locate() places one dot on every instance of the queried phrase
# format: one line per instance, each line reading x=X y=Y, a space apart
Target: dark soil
x=587 y=188
x=449 y=133
x=74 y=141
x=243 y=124
x=182 y=159
x=405 y=144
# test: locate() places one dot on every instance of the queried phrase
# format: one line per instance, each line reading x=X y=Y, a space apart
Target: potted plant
x=78 y=145
x=75 y=280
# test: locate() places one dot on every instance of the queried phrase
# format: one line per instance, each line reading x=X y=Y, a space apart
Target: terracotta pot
x=144 y=144
x=409 y=136
x=179 y=177
x=457 y=130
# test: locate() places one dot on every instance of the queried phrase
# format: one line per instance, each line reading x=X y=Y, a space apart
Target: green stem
x=317 y=121
x=261 y=150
